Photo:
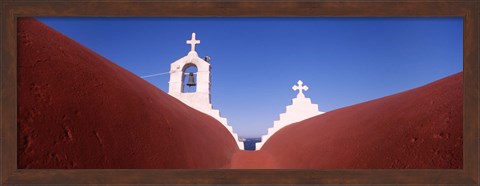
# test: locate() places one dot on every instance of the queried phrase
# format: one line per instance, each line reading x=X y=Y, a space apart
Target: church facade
x=302 y=108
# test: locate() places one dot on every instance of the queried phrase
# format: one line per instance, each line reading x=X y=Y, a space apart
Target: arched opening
x=189 y=78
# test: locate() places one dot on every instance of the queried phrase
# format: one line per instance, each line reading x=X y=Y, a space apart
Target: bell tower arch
x=189 y=78
x=200 y=99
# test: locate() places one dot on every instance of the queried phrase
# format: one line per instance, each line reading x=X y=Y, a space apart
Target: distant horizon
x=256 y=61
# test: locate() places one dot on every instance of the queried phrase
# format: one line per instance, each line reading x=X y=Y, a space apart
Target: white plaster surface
x=199 y=100
x=301 y=108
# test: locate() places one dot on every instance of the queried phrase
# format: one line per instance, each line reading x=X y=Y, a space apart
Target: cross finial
x=300 y=88
x=193 y=42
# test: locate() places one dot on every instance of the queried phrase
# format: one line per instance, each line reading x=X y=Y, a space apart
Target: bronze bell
x=191 y=80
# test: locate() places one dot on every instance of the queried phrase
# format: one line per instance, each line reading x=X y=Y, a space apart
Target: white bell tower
x=199 y=99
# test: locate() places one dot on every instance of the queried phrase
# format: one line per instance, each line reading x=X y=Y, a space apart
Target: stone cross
x=300 y=88
x=193 y=42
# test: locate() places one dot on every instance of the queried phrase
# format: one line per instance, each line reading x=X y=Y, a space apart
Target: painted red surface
x=254 y=160
x=419 y=128
x=77 y=109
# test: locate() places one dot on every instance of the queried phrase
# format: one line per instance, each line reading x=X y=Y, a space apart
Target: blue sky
x=256 y=61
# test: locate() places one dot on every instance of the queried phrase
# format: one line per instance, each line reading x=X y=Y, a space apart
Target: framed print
x=78 y=107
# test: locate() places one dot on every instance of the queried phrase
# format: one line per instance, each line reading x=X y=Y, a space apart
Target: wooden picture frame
x=11 y=10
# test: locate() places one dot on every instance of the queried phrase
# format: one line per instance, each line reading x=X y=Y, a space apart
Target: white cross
x=300 y=88
x=193 y=42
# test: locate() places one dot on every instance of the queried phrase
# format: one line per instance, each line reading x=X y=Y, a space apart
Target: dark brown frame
x=11 y=10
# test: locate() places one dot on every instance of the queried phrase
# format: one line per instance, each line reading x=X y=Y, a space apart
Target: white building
x=301 y=109
x=199 y=99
